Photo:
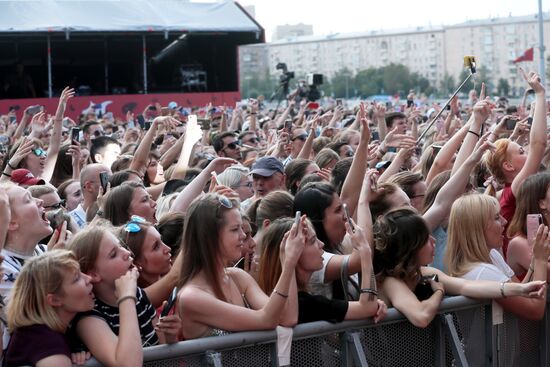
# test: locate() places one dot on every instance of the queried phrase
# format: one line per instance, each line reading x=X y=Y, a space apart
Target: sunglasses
x=252 y=140
x=39 y=152
x=225 y=202
x=99 y=133
x=58 y=205
x=248 y=184
x=232 y=146
x=302 y=137
x=133 y=225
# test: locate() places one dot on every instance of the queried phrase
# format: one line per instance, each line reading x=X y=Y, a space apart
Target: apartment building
x=430 y=51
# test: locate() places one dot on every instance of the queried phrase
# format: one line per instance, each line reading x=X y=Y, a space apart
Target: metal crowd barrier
x=461 y=335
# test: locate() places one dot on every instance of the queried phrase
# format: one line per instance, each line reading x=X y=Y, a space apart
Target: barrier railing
x=461 y=335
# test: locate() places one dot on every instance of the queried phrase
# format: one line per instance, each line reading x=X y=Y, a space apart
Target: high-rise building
x=433 y=52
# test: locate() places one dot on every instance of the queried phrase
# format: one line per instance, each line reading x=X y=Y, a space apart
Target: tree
x=342 y=83
x=369 y=82
x=503 y=88
x=447 y=85
x=396 y=78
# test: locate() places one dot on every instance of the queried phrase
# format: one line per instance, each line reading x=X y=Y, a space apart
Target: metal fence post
x=354 y=346
x=454 y=341
x=439 y=341
x=545 y=338
x=212 y=358
x=274 y=355
x=489 y=351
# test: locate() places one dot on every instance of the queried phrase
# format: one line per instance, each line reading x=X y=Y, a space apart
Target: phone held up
x=533 y=223
x=104 y=180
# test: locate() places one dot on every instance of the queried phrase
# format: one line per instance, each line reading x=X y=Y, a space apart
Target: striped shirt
x=145 y=313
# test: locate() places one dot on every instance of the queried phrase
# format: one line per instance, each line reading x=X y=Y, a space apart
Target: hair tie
x=491 y=181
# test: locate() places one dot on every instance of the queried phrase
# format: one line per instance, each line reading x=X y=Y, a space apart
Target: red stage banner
x=119 y=104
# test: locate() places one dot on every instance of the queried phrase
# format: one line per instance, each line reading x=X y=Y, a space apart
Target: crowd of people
x=119 y=234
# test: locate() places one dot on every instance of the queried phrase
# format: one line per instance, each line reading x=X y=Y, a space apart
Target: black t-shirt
x=30 y=344
x=320 y=308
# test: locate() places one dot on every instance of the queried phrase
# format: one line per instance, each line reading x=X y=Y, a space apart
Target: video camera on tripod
x=285 y=77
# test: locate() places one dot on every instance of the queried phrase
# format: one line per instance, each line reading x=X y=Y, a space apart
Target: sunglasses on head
x=58 y=205
x=133 y=226
x=225 y=202
x=39 y=152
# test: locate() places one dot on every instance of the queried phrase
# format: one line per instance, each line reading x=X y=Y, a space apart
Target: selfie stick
x=469 y=61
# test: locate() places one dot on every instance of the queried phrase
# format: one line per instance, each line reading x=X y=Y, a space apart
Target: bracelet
x=502 y=289
x=476 y=134
x=253 y=113
x=280 y=294
x=10 y=166
x=119 y=301
x=441 y=290
x=369 y=291
x=6 y=174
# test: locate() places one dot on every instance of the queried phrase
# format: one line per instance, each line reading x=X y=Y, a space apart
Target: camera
x=308 y=88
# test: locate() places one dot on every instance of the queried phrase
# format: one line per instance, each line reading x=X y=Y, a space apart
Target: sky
x=344 y=16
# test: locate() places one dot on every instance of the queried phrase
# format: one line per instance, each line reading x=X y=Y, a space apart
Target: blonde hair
x=494 y=160
x=41 y=275
x=466 y=243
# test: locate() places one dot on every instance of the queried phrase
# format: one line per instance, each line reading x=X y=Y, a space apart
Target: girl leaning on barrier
x=403 y=246
x=214 y=298
x=123 y=319
x=533 y=198
x=49 y=291
x=317 y=307
x=476 y=229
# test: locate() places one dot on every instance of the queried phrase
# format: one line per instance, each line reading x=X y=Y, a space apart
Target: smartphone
x=33 y=110
x=147 y=125
x=75 y=134
x=152 y=108
x=511 y=124
x=288 y=125
x=436 y=148
x=297 y=217
x=315 y=105
x=104 y=180
x=427 y=278
x=410 y=103
x=141 y=121
x=375 y=136
x=346 y=214
x=170 y=303
x=533 y=223
x=205 y=124
x=530 y=120
x=338 y=102
x=215 y=176
x=13 y=119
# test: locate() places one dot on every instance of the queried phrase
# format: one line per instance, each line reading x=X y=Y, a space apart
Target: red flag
x=527 y=56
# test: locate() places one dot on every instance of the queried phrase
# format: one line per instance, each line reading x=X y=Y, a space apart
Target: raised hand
x=126 y=285
x=25 y=148
x=541 y=247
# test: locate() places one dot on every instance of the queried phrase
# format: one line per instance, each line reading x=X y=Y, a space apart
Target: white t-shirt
x=497 y=271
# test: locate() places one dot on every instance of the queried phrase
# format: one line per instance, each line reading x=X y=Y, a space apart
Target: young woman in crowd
x=316 y=307
x=151 y=256
x=237 y=179
x=49 y=291
x=214 y=298
x=476 y=229
x=403 y=246
x=71 y=192
x=533 y=198
x=126 y=200
x=295 y=170
x=510 y=164
x=123 y=319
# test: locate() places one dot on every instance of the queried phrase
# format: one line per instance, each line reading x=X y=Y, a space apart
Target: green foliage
x=503 y=87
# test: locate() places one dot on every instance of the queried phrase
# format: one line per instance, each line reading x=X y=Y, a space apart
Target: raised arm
x=352 y=184
x=537 y=136
x=140 y=160
x=454 y=187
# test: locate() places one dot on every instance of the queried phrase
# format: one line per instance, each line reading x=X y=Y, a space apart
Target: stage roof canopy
x=89 y=16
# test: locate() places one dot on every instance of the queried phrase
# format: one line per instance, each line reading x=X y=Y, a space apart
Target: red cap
x=23 y=176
